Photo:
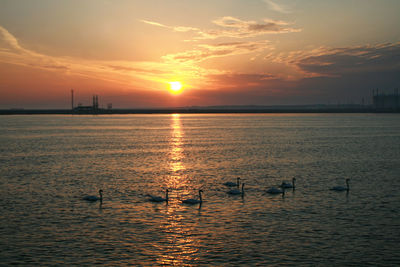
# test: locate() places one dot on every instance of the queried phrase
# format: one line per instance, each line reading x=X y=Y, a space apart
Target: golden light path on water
x=176 y=154
x=181 y=246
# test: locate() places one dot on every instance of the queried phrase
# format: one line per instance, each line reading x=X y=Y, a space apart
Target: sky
x=222 y=52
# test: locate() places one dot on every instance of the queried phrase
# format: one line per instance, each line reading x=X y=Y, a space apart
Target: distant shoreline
x=192 y=111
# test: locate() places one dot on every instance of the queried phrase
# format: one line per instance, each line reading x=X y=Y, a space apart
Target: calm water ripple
x=48 y=163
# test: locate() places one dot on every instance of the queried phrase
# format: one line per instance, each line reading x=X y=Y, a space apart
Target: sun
x=175 y=87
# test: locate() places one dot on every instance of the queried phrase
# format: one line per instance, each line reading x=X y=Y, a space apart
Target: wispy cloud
x=12 y=52
x=237 y=28
x=187 y=65
x=241 y=80
x=277 y=7
x=154 y=23
x=9 y=40
x=206 y=51
x=232 y=27
x=177 y=28
x=128 y=73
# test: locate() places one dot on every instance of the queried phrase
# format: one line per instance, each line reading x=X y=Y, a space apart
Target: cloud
x=231 y=27
x=320 y=74
x=203 y=52
x=341 y=61
x=241 y=80
x=142 y=74
x=177 y=28
x=154 y=23
x=12 y=52
x=56 y=67
x=8 y=43
x=9 y=39
x=277 y=7
x=236 y=28
x=131 y=69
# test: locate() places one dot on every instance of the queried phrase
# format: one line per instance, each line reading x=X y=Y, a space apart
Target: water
x=48 y=163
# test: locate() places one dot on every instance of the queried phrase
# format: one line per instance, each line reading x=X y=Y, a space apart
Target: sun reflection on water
x=179 y=246
x=176 y=153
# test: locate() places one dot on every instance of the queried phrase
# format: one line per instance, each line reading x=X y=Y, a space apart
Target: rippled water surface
x=48 y=163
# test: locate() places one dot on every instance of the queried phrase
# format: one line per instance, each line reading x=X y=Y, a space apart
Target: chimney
x=72 y=99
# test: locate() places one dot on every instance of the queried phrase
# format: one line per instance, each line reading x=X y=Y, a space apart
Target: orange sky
x=223 y=52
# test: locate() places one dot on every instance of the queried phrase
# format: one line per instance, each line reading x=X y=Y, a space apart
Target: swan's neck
x=101 y=196
x=242 y=188
x=293 y=183
x=201 y=199
x=238 y=182
x=283 y=192
x=166 y=195
x=348 y=187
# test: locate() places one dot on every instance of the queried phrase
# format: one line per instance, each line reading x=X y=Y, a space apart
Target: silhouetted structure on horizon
x=93 y=109
x=72 y=99
x=382 y=102
x=385 y=102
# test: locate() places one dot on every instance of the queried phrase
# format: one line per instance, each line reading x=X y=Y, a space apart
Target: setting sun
x=175 y=87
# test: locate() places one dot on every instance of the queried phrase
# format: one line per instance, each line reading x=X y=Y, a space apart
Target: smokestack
x=72 y=99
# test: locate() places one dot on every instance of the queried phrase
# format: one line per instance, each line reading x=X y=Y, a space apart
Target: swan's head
x=167 y=190
x=347 y=180
x=101 y=195
x=201 y=191
x=294 y=179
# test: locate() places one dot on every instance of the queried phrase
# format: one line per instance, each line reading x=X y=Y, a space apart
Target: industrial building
x=92 y=109
x=386 y=102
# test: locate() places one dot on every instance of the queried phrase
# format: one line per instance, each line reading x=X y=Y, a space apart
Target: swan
x=194 y=201
x=275 y=191
x=232 y=183
x=236 y=191
x=289 y=185
x=342 y=188
x=159 y=199
x=94 y=198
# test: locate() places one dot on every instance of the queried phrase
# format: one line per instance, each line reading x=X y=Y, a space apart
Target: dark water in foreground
x=48 y=163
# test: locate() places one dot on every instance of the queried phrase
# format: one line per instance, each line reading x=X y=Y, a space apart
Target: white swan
x=232 y=183
x=236 y=191
x=94 y=198
x=194 y=201
x=289 y=185
x=275 y=191
x=159 y=199
x=341 y=188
